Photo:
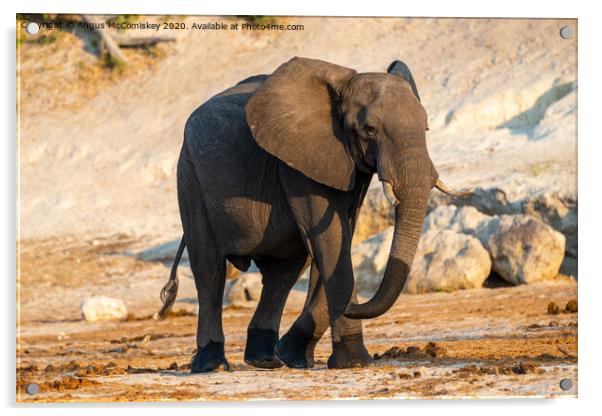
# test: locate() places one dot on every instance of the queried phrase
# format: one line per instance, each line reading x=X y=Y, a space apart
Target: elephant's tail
x=170 y=290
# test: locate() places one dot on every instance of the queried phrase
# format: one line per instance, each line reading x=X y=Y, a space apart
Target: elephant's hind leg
x=209 y=277
x=279 y=276
x=209 y=271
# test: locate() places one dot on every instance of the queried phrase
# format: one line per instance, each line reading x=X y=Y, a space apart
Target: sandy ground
x=487 y=342
x=97 y=185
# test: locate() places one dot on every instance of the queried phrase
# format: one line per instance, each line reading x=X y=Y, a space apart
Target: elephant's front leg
x=348 y=349
x=279 y=276
x=296 y=347
x=323 y=217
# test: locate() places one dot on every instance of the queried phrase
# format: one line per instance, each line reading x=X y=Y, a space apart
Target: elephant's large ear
x=401 y=69
x=294 y=116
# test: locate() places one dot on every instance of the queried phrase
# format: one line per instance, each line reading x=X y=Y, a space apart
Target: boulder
x=491 y=201
x=369 y=261
x=245 y=290
x=166 y=252
x=447 y=261
x=376 y=215
x=558 y=211
x=523 y=249
x=162 y=252
x=103 y=308
x=465 y=219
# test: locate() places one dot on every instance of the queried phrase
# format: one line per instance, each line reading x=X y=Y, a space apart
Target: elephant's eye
x=370 y=131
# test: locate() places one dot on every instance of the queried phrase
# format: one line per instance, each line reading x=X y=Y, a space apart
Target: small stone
x=553 y=309
x=245 y=290
x=103 y=308
x=553 y=324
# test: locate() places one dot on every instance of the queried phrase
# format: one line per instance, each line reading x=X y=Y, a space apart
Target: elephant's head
x=328 y=121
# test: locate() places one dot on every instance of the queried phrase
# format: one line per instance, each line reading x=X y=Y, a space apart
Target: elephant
x=274 y=170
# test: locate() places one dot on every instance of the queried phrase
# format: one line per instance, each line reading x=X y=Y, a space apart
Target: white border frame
x=589 y=170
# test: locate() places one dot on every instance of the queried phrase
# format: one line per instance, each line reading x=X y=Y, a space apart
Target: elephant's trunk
x=406 y=234
x=413 y=191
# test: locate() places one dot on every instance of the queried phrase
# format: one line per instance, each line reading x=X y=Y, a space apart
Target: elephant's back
x=218 y=130
x=238 y=180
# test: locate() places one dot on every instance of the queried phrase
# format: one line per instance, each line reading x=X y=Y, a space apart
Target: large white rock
x=447 y=261
x=103 y=308
x=523 y=249
x=465 y=219
x=162 y=252
x=245 y=290
x=369 y=261
x=444 y=261
x=375 y=216
x=560 y=212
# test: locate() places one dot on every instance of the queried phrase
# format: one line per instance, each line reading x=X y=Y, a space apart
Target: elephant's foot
x=349 y=352
x=209 y=358
x=296 y=349
x=260 y=350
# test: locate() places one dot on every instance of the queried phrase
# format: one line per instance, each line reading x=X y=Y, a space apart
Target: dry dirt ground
x=484 y=343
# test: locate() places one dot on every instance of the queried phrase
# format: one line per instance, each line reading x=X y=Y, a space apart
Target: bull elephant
x=275 y=170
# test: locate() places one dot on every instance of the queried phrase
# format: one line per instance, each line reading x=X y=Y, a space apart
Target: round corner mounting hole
x=32 y=389
x=566 y=32
x=566 y=384
x=32 y=28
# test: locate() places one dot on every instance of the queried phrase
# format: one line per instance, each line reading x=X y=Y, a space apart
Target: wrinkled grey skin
x=275 y=170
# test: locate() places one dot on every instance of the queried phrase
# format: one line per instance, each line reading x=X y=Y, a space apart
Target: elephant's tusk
x=452 y=192
x=389 y=194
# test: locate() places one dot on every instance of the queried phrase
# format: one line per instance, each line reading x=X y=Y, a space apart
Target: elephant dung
x=448 y=261
x=103 y=308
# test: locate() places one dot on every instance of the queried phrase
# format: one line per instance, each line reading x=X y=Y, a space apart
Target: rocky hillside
x=500 y=94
